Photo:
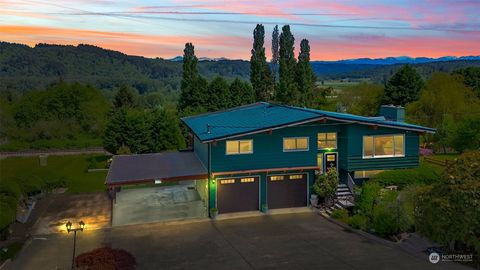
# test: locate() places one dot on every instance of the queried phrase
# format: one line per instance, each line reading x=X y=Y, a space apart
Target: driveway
x=144 y=205
x=290 y=241
x=93 y=208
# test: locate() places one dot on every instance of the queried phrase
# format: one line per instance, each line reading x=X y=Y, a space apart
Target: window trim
x=373 y=146
x=238 y=143
x=296 y=150
x=336 y=141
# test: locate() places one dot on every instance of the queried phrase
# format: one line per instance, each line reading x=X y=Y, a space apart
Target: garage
x=288 y=190
x=238 y=194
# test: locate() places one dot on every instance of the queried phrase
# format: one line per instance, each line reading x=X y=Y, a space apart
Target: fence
x=443 y=163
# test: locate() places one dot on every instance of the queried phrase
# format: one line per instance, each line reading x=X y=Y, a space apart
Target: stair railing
x=350 y=184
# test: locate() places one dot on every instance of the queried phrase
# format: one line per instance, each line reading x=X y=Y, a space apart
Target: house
x=266 y=156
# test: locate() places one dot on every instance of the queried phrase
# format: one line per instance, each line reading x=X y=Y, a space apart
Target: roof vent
x=209 y=129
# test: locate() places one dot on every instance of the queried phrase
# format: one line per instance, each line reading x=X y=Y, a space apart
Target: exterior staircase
x=344 y=199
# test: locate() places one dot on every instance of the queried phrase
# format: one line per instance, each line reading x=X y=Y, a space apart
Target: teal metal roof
x=258 y=117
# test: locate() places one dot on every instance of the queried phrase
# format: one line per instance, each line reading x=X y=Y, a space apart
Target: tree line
x=449 y=102
x=294 y=84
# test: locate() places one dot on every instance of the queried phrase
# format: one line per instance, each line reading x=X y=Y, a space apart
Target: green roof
x=261 y=116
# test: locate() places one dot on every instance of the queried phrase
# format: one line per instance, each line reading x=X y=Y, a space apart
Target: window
x=239 y=147
x=383 y=146
x=295 y=177
x=366 y=174
x=320 y=163
x=276 y=178
x=227 y=181
x=295 y=144
x=247 y=180
x=327 y=140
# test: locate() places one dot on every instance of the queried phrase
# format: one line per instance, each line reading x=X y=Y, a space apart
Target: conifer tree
x=241 y=93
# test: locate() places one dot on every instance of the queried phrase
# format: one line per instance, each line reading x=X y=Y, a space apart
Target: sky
x=336 y=29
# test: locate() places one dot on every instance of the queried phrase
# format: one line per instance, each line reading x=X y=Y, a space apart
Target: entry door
x=331 y=161
x=237 y=194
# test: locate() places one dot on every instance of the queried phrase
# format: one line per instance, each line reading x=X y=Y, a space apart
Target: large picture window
x=383 y=146
x=239 y=147
x=295 y=144
x=327 y=140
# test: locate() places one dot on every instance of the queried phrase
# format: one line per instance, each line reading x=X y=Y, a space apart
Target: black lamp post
x=69 y=229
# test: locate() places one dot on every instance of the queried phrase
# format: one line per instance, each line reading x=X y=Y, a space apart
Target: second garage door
x=288 y=190
x=237 y=194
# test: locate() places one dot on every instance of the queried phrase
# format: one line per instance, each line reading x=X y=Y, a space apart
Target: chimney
x=393 y=113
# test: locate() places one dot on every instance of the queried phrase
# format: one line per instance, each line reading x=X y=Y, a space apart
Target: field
x=72 y=169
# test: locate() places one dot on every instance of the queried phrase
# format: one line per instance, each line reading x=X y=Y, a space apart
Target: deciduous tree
x=287 y=91
x=305 y=77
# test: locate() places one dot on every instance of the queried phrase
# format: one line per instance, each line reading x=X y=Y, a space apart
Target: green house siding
x=268 y=150
x=352 y=156
x=201 y=150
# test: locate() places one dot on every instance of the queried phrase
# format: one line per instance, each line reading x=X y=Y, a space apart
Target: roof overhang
x=315 y=119
x=146 y=168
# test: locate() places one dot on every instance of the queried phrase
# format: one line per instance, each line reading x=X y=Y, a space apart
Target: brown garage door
x=288 y=190
x=237 y=194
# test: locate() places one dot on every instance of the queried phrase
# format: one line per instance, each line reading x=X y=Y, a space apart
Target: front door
x=331 y=161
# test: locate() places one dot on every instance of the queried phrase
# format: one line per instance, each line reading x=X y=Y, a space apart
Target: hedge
x=424 y=174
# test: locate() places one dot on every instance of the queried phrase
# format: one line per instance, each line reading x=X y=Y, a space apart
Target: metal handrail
x=350 y=184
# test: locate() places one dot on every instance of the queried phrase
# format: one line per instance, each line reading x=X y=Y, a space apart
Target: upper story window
x=383 y=146
x=327 y=140
x=295 y=144
x=239 y=147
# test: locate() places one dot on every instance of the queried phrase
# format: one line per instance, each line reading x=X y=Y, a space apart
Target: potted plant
x=213 y=213
x=314 y=200
x=326 y=186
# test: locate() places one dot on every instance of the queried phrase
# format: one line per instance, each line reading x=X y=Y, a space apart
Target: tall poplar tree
x=287 y=92
x=193 y=86
x=305 y=75
x=260 y=75
x=275 y=52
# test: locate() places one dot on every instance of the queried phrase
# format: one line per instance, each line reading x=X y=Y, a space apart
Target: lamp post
x=69 y=229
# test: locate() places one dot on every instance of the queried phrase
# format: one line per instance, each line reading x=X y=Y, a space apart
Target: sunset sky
x=336 y=29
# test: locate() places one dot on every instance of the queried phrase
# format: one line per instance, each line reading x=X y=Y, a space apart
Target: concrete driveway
x=153 y=204
x=290 y=241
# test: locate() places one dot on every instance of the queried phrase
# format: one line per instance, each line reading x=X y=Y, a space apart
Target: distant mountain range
x=368 y=61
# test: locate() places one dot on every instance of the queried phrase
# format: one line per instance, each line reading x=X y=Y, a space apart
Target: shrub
x=368 y=197
x=424 y=174
x=340 y=214
x=358 y=221
x=106 y=258
x=390 y=219
x=326 y=184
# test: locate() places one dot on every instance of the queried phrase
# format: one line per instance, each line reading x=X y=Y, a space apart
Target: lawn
x=72 y=169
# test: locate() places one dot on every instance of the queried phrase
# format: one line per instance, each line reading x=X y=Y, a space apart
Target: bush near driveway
x=358 y=221
x=447 y=212
x=340 y=214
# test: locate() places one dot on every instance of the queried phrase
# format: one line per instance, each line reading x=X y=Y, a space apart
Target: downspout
x=209 y=172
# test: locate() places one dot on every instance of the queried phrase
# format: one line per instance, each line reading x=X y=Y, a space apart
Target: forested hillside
x=23 y=68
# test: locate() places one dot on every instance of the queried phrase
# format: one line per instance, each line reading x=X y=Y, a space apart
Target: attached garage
x=238 y=194
x=288 y=190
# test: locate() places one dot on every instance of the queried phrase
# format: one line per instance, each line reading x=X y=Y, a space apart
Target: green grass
x=72 y=169
x=16 y=145
x=445 y=156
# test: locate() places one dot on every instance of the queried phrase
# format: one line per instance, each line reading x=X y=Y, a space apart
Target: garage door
x=288 y=190
x=237 y=194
